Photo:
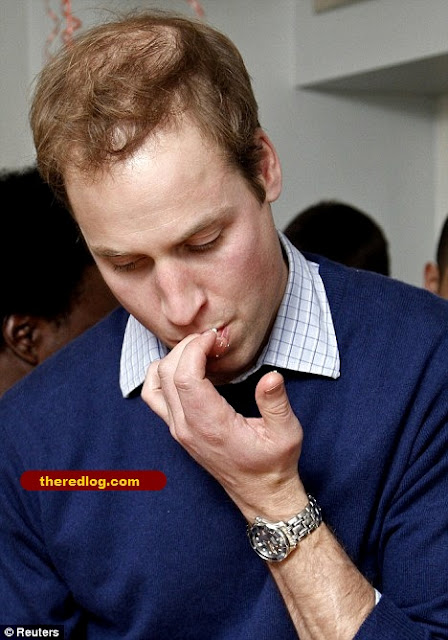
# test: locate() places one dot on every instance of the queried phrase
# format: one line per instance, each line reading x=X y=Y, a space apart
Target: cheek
x=230 y=279
x=248 y=270
x=137 y=295
x=137 y=298
x=123 y=287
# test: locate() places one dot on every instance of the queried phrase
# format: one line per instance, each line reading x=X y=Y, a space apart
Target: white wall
x=16 y=146
x=368 y=35
x=377 y=152
x=394 y=154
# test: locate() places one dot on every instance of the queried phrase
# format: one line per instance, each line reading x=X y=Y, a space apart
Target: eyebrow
x=106 y=252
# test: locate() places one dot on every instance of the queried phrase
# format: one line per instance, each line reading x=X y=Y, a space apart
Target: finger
x=152 y=392
x=159 y=390
x=273 y=402
x=197 y=394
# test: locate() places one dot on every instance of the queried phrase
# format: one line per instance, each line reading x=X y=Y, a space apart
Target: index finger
x=195 y=391
x=156 y=387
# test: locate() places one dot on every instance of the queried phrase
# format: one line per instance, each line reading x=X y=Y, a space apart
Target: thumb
x=273 y=402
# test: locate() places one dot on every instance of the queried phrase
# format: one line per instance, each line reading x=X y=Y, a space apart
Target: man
x=149 y=129
x=342 y=233
x=435 y=274
x=51 y=290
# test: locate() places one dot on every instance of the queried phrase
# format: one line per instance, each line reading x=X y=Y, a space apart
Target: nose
x=180 y=293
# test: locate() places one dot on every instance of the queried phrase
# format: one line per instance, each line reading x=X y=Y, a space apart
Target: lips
x=219 y=348
x=221 y=343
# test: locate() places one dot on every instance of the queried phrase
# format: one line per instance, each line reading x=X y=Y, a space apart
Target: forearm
x=255 y=460
x=326 y=595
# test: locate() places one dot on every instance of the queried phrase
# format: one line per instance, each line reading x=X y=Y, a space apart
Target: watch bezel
x=279 y=549
x=274 y=541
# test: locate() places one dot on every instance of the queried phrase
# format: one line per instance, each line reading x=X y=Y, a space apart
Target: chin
x=218 y=377
x=222 y=371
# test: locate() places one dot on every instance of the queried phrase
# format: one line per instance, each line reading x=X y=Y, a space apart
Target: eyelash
x=130 y=266
x=195 y=248
x=203 y=247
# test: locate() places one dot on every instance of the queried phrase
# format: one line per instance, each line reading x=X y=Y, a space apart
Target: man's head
x=436 y=273
x=51 y=289
x=342 y=233
x=149 y=127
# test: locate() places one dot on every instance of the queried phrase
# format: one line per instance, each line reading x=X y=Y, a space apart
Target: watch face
x=269 y=542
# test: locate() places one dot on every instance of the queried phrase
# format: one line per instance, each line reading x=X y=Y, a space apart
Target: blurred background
x=353 y=93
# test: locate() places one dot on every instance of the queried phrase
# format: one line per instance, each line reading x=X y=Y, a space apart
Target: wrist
x=275 y=503
x=274 y=541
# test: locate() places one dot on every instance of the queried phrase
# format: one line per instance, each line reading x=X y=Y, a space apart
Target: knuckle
x=281 y=408
x=145 y=393
x=182 y=381
x=163 y=370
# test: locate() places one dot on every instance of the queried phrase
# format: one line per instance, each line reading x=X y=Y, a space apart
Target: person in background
x=298 y=408
x=435 y=274
x=342 y=233
x=51 y=289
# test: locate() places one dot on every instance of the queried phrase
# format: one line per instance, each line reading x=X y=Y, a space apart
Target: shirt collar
x=302 y=339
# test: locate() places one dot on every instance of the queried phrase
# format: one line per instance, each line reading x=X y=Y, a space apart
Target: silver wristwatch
x=274 y=541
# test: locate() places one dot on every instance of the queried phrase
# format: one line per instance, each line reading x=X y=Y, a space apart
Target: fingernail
x=275 y=388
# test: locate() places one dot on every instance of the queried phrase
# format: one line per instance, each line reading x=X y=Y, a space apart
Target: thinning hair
x=112 y=86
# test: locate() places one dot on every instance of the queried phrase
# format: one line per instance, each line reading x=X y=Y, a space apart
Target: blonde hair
x=104 y=93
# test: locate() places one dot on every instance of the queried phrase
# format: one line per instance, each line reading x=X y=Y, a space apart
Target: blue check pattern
x=302 y=339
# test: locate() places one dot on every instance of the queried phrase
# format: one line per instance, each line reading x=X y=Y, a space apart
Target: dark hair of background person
x=342 y=233
x=50 y=288
x=435 y=274
x=442 y=248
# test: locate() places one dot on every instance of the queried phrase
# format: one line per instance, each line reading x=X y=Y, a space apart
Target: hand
x=254 y=459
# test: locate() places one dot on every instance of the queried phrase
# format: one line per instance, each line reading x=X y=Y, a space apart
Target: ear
x=23 y=335
x=431 y=277
x=270 y=168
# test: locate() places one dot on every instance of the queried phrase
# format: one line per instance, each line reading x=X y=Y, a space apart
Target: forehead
x=176 y=178
x=177 y=146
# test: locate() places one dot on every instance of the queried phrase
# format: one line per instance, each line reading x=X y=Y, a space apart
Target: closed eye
x=129 y=266
x=206 y=246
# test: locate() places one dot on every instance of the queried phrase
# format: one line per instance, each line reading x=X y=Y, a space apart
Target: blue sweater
x=176 y=564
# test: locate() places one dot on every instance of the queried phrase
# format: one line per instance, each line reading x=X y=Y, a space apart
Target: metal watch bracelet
x=306 y=520
x=274 y=541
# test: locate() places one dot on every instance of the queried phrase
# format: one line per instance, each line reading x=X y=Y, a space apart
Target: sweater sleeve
x=31 y=591
x=413 y=548
x=388 y=622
